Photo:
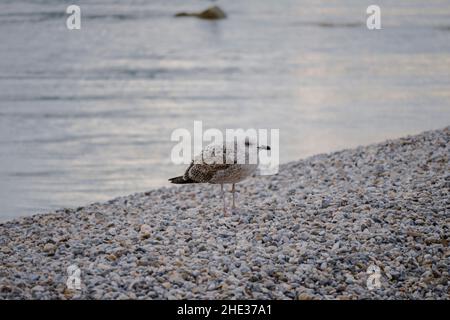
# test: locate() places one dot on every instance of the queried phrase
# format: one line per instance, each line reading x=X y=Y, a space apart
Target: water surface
x=87 y=115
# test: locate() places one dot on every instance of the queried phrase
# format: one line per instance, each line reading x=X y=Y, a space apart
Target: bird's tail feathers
x=181 y=180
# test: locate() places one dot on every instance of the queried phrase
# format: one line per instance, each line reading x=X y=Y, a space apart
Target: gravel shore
x=309 y=232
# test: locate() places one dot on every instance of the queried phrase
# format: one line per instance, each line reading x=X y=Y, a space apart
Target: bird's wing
x=204 y=172
x=212 y=159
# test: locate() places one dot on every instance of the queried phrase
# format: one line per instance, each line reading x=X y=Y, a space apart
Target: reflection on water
x=87 y=115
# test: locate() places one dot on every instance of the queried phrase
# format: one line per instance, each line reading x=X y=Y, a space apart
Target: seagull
x=218 y=164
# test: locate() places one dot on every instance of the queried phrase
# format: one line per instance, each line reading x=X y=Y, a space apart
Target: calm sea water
x=87 y=115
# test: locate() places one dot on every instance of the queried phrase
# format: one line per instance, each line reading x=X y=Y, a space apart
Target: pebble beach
x=309 y=232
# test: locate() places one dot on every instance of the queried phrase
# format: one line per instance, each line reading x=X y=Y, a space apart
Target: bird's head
x=263 y=147
x=249 y=143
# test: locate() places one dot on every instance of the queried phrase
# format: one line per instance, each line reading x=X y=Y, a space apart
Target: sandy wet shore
x=310 y=232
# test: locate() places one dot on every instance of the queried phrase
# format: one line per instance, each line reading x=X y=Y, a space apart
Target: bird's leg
x=233 y=191
x=223 y=197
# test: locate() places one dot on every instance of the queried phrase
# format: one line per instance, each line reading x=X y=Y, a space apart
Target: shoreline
x=309 y=232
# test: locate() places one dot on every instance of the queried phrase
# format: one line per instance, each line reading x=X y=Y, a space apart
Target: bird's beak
x=264 y=147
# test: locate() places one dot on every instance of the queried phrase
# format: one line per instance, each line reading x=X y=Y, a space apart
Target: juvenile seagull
x=218 y=164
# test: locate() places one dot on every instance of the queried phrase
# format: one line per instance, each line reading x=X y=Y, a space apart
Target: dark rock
x=212 y=13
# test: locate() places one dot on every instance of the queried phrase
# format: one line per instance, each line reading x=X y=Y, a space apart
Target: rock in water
x=212 y=13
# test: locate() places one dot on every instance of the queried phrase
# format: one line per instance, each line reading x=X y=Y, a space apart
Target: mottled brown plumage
x=218 y=164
